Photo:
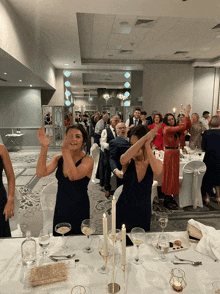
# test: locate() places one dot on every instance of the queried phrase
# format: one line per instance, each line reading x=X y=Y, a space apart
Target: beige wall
x=166 y=86
x=58 y=96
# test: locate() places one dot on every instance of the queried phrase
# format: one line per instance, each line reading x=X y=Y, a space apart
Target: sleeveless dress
x=72 y=203
x=133 y=207
x=4 y=226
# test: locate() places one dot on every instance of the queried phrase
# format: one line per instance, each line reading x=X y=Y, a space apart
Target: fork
x=194 y=263
x=180 y=259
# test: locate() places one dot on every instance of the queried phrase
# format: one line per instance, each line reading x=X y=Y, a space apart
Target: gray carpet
x=31 y=216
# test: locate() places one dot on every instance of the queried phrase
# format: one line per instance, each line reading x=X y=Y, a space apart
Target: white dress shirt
x=103 y=139
x=128 y=120
x=205 y=122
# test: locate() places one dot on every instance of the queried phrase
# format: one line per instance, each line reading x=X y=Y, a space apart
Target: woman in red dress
x=183 y=132
x=171 y=136
x=158 y=141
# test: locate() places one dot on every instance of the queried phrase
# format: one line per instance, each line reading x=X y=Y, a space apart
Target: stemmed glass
x=102 y=270
x=163 y=246
x=163 y=220
x=63 y=228
x=88 y=228
x=44 y=241
x=138 y=238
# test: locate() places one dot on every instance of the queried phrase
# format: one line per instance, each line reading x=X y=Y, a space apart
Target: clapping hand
x=43 y=139
x=66 y=144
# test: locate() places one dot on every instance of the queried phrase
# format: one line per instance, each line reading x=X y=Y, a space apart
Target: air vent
x=126 y=51
x=181 y=52
x=3 y=80
x=143 y=23
x=216 y=27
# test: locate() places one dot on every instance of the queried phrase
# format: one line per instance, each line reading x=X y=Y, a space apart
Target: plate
x=175 y=248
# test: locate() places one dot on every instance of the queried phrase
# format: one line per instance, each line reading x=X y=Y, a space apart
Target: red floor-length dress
x=159 y=138
x=170 y=181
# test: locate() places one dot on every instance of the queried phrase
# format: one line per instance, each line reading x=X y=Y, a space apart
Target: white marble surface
x=150 y=277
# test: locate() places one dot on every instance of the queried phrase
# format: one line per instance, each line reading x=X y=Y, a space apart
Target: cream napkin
x=210 y=242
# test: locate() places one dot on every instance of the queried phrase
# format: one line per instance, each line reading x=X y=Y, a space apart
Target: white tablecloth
x=150 y=277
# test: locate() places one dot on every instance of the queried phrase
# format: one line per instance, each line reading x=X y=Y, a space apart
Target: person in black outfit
x=6 y=202
x=117 y=147
x=211 y=146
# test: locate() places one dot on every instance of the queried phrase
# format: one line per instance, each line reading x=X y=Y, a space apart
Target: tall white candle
x=105 y=230
x=113 y=216
x=123 y=245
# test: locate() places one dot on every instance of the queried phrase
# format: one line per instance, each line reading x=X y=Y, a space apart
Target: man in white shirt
x=205 y=119
x=135 y=120
x=99 y=127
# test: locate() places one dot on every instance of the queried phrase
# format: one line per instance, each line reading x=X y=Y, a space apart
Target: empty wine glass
x=63 y=228
x=138 y=238
x=88 y=228
x=163 y=220
x=44 y=241
x=102 y=270
x=163 y=246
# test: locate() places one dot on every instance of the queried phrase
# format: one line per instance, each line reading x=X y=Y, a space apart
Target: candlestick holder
x=123 y=266
x=178 y=279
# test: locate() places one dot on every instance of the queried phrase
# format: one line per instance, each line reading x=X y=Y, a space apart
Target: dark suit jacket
x=117 y=147
x=150 y=119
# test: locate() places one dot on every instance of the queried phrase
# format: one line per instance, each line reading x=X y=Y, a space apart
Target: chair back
x=154 y=192
x=95 y=153
x=190 y=191
x=117 y=192
x=13 y=221
x=48 y=201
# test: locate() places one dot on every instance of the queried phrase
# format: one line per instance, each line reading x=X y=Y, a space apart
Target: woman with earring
x=74 y=170
x=211 y=146
x=171 y=137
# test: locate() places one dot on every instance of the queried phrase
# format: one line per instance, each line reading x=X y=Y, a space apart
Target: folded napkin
x=210 y=241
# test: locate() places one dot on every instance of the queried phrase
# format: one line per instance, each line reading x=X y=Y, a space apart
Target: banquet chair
x=190 y=190
x=95 y=153
x=117 y=192
x=13 y=221
x=48 y=201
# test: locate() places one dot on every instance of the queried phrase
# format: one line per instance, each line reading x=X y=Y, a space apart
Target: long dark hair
x=81 y=129
x=165 y=120
x=139 y=131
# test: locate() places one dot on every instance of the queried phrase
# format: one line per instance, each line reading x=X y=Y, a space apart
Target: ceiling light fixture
x=30 y=85
x=5 y=73
x=66 y=63
x=20 y=81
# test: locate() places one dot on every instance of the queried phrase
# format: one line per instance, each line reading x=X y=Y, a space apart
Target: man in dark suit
x=151 y=118
x=117 y=147
x=135 y=120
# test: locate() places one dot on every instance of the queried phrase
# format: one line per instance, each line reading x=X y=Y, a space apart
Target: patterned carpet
x=30 y=213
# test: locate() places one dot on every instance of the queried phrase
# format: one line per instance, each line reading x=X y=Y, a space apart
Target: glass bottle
x=28 y=250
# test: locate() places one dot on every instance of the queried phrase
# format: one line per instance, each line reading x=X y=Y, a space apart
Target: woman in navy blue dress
x=139 y=166
x=6 y=202
x=74 y=170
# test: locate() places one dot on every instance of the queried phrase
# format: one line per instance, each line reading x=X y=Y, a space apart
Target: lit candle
x=105 y=230
x=113 y=216
x=123 y=245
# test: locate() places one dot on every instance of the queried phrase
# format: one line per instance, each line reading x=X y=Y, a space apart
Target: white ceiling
x=89 y=33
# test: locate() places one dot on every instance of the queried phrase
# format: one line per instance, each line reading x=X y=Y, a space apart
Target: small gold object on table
x=178 y=279
x=48 y=274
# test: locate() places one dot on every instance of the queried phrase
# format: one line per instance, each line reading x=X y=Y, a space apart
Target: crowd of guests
x=127 y=150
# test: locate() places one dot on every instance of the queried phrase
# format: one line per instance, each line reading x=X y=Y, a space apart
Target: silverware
x=181 y=259
x=58 y=259
x=194 y=263
x=64 y=256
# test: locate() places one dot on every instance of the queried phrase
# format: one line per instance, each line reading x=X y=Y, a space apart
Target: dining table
x=152 y=276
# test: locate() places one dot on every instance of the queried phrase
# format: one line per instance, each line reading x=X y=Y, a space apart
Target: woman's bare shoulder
x=2 y=149
x=88 y=159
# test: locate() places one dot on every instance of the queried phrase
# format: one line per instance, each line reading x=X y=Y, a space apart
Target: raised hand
x=43 y=139
x=188 y=108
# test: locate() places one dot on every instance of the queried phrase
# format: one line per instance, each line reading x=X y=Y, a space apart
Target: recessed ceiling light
x=20 y=80
x=5 y=73
x=66 y=63
x=30 y=85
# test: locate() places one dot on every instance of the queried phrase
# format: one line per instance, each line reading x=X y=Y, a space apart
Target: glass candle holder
x=178 y=279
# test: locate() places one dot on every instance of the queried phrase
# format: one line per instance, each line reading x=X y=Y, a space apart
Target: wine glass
x=163 y=246
x=163 y=220
x=63 y=228
x=44 y=241
x=138 y=238
x=102 y=270
x=88 y=228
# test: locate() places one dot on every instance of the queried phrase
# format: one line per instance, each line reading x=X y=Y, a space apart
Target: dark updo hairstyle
x=159 y=114
x=165 y=120
x=139 y=131
x=81 y=129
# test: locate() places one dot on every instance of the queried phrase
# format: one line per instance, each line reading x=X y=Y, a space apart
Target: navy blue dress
x=72 y=203
x=133 y=207
x=4 y=226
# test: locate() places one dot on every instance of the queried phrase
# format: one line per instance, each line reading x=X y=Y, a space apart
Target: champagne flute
x=163 y=220
x=88 y=228
x=163 y=246
x=63 y=228
x=44 y=241
x=102 y=270
x=138 y=238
